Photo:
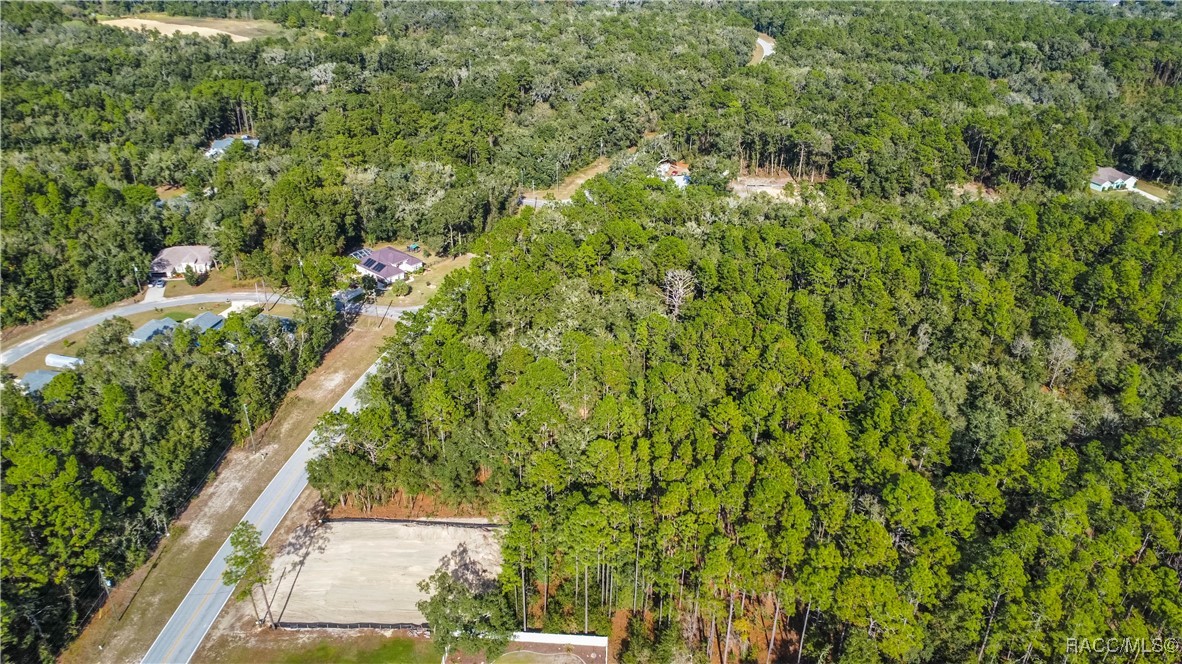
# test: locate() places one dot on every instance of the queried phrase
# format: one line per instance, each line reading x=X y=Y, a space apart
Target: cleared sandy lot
x=170 y=28
x=368 y=571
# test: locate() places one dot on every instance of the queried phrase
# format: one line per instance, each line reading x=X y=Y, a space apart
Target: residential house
x=35 y=381
x=388 y=265
x=676 y=172
x=205 y=321
x=219 y=147
x=1106 y=178
x=174 y=260
x=151 y=330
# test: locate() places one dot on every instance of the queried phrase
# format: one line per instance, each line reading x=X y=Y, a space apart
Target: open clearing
x=239 y=30
x=141 y=604
x=368 y=571
x=425 y=283
x=772 y=186
x=764 y=47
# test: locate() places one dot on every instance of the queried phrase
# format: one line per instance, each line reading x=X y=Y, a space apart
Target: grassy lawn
x=141 y=604
x=362 y=651
x=219 y=280
x=1155 y=189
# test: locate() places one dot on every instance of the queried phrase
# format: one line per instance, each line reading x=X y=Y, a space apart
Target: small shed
x=35 y=381
x=151 y=330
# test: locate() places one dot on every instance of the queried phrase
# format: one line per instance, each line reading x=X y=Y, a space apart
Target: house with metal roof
x=219 y=147
x=205 y=321
x=388 y=265
x=35 y=381
x=1106 y=178
x=150 y=330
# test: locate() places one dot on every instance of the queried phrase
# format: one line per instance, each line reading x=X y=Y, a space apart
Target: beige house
x=174 y=260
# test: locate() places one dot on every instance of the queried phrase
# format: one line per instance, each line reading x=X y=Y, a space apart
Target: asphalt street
x=190 y=622
x=27 y=347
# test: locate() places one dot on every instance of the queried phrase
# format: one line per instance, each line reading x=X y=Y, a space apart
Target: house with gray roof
x=1106 y=178
x=205 y=321
x=150 y=330
x=35 y=381
x=219 y=147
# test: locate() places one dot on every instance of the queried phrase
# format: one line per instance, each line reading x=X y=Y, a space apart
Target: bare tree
x=679 y=286
x=1060 y=354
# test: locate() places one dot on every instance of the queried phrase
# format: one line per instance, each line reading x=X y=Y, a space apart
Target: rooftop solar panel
x=368 y=262
x=378 y=267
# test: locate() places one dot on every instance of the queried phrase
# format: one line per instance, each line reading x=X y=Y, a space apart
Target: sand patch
x=143 y=24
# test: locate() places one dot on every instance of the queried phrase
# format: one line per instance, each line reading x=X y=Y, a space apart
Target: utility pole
x=249 y=426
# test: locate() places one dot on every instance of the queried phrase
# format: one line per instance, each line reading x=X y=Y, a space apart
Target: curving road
x=27 y=347
x=188 y=625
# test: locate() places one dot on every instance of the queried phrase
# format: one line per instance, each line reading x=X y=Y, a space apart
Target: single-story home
x=676 y=172
x=219 y=147
x=174 y=260
x=151 y=330
x=1106 y=178
x=205 y=321
x=35 y=381
x=388 y=265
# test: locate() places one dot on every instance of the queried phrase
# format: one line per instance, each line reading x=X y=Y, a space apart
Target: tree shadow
x=310 y=536
x=466 y=569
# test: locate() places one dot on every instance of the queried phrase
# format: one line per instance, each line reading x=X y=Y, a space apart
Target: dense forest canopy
x=895 y=423
x=423 y=120
x=928 y=431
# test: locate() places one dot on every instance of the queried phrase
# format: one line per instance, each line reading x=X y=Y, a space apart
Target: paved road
x=32 y=345
x=192 y=619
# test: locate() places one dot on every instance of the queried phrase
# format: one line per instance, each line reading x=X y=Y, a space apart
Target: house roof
x=152 y=328
x=1106 y=174
x=223 y=144
x=174 y=257
x=205 y=321
x=388 y=263
x=286 y=323
x=35 y=381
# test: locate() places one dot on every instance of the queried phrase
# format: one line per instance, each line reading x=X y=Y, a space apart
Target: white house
x=1106 y=178
x=676 y=172
x=174 y=260
x=219 y=147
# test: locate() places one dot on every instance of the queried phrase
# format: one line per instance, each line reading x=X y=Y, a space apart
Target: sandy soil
x=410 y=507
x=170 y=28
x=568 y=186
x=368 y=571
x=764 y=47
x=772 y=186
